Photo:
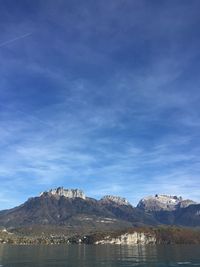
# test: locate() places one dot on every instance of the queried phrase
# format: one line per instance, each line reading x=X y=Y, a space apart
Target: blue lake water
x=99 y=255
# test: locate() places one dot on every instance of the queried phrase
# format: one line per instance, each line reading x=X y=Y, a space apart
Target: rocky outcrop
x=68 y=193
x=186 y=203
x=115 y=199
x=163 y=203
x=129 y=239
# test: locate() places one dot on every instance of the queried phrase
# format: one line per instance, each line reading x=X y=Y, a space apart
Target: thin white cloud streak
x=15 y=39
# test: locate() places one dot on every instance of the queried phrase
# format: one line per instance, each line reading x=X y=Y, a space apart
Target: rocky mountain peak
x=68 y=193
x=163 y=202
x=116 y=199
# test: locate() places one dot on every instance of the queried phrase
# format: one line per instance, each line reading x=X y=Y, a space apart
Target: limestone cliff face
x=163 y=202
x=68 y=193
x=115 y=199
x=129 y=239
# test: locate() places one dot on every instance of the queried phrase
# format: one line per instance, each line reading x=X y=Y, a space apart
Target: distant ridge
x=115 y=199
x=163 y=202
x=71 y=210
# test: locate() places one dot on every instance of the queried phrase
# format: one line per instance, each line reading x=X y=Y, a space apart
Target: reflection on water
x=99 y=255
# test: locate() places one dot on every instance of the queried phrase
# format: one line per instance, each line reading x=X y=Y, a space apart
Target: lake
x=99 y=255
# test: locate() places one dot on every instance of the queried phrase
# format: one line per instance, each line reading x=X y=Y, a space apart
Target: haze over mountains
x=72 y=210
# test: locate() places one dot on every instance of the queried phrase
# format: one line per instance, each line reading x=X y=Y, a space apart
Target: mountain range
x=70 y=210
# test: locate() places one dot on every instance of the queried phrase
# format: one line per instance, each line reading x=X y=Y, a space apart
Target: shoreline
x=132 y=236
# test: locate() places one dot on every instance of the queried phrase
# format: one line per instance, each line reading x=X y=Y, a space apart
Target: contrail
x=15 y=39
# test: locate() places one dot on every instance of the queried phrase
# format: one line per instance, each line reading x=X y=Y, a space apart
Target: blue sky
x=99 y=95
